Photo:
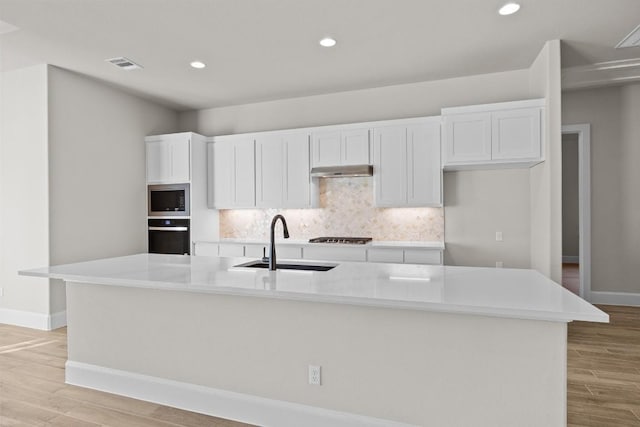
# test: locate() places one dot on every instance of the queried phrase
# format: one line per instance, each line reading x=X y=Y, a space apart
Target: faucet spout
x=272 y=242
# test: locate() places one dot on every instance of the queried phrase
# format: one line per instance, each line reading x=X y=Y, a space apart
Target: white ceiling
x=258 y=50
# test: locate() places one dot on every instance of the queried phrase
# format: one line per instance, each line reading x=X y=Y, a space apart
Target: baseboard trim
x=615 y=298
x=571 y=259
x=220 y=403
x=57 y=320
x=30 y=319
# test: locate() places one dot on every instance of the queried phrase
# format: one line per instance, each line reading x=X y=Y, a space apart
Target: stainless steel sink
x=288 y=266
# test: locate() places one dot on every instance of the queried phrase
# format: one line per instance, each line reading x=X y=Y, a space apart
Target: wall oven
x=168 y=200
x=169 y=236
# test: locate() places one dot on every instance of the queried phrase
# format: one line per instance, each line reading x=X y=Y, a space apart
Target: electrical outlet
x=1 y=292
x=499 y=264
x=498 y=236
x=314 y=375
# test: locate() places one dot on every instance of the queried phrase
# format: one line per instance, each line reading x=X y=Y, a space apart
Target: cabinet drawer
x=335 y=254
x=231 y=249
x=288 y=252
x=385 y=255
x=417 y=256
x=206 y=249
x=255 y=251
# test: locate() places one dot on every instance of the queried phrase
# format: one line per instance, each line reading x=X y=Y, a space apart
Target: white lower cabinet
x=231 y=250
x=282 y=251
x=422 y=256
x=385 y=255
x=397 y=255
x=256 y=251
x=205 y=249
x=325 y=253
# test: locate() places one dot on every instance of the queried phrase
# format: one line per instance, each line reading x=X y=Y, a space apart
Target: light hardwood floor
x=33 y=392
x=571 y=277
x=603 y=382
x=604 y=370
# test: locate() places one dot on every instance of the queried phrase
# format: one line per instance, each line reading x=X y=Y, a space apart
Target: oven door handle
x=168 y=228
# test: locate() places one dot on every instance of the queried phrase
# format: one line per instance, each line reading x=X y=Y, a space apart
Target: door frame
x=584 y=203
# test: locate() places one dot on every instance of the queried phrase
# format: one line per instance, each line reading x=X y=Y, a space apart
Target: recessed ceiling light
x=509 y=8
x=198 y=64
x=327 y=42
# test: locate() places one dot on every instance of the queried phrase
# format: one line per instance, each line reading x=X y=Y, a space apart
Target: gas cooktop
x=347 y=240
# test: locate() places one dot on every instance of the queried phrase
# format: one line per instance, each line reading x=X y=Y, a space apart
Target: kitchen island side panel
x=415 y=367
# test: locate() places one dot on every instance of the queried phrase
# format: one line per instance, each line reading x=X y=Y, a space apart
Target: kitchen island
x=398 y=344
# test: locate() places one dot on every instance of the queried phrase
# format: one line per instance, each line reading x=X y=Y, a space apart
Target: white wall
x=613 y=113
x=72 y=180
x=390 y=102
x=546 y=177
x=97 y=167
x=401 y=101
x=474 y=214
x=24 y=199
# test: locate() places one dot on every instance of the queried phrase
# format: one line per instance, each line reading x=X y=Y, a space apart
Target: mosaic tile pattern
x=346 y=209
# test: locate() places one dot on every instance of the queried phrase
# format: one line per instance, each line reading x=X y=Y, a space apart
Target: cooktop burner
x=347 y=240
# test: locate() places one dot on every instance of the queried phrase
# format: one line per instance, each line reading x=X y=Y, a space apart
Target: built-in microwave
x=168 y=200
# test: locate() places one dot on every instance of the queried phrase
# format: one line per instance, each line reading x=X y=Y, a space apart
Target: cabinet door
x=270 y=157
x=222 y=175
x=516 y=134
x=244 y=179
x=390 y=166
x=180 y=160
x=355 y=147
x=326 y=148
x=467 y=138
x=158 y=161
x=424 y=173
x=168 y=159
x=297 y=181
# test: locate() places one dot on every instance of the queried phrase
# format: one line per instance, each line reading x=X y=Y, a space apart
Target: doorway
x=576 y=209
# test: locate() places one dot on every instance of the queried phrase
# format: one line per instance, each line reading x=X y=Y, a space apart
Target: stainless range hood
x=341 y=171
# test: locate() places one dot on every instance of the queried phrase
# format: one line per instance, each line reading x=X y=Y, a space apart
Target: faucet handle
x=264 y=254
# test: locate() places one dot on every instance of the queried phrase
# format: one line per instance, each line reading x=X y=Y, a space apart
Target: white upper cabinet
x=233 y=173
x=406 y=167
x=493 y=135
x=341 y=147
x=469 y=137
x=424 y=171
x=516 y=134
x=282 y=171
x=168 y=158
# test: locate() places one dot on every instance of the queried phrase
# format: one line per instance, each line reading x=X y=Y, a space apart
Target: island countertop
x=509 y=293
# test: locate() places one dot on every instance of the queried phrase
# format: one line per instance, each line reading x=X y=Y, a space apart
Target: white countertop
x=405 y=244
x=511 y=293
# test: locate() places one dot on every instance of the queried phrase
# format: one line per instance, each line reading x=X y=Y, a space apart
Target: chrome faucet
x=272 y=247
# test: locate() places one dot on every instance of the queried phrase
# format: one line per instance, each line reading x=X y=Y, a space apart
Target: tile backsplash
x=346 y=209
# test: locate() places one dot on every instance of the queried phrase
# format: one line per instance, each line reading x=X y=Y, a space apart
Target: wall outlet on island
x=314 y=374
x=499 y=264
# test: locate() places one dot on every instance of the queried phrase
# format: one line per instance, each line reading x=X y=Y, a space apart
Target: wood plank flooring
x=604 y=370
x=33 y=392
x=571 y=277
x=603 y=382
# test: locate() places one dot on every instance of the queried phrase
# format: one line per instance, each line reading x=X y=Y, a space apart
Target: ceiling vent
x=632 y=40
x=124 y=63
